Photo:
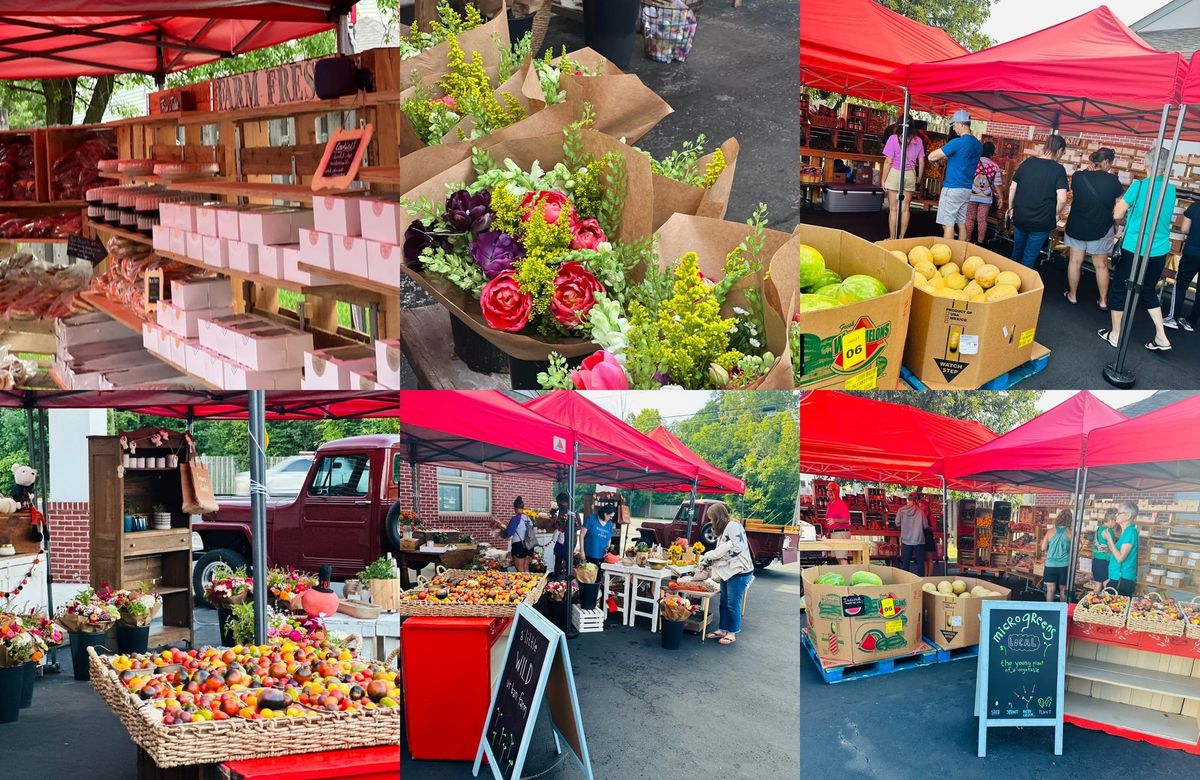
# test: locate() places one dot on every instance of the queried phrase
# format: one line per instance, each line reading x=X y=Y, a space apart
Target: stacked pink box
x=244 y=239
x=335 y=368
x=249 y=352
x=387 y=363
x=355 y=235
x=177 y=321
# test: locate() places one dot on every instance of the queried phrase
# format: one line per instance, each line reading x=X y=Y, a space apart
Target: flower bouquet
x=675 y=608
x=228 y=587
x=521 y=248
x=286 y=584
x=555 y=590
x=675 y=553
x=136 y=607
x=44 y=628
x=282 y=627
x=688 y=181
x=586 y=573
x=19 y=644
x=87 y=613
x=427 y=53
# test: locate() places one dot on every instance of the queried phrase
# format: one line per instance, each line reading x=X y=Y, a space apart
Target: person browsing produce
x=1122 y=567
x=1102 y=544
x=912 y=523
x=730 y=565
x=988 y=181
x=914 y=171
x=962 y=157
x=1056 y=547
x=837 y=520
x=596 y=534
x=1189 y=267
x=1036 y=198
x=519 y=529
x=1090 y=229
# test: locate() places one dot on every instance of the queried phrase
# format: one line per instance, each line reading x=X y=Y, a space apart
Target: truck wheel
x=764 y=563
x=708 y=536
x=648 y=537
x=391 y=527
x=202 y=571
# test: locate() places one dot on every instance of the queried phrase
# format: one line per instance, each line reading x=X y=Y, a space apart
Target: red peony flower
x=555 y=202
x=574 y=294
x=587 y=234
x=600 y=371
x=504 y=306
x=447 y=100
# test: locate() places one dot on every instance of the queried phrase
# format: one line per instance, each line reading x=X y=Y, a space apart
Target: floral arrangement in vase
x=286 y=583
x=228 y=587
x=675 y=552
x=135 y=607
x=555 y=590
x=88 y=613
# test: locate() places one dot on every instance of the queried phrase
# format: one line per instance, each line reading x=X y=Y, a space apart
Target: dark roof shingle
x=1185 y=40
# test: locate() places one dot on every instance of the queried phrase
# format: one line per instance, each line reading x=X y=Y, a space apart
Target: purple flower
x=418 y=237
x=470 y=213
x=496 y=252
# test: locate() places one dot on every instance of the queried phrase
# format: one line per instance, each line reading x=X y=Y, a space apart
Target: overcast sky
x=1014 y=18
x=671 y=404
x=1114 y=398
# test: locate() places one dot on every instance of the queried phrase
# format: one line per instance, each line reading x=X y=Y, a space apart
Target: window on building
x=464 y=492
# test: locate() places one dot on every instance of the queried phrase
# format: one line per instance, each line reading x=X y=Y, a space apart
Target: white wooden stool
x=654 y=579
x=621 y=591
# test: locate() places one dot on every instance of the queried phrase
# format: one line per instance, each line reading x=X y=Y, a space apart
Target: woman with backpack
x=1056 y=547
x=520 y=529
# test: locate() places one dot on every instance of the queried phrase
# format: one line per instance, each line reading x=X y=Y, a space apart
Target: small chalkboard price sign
x=342 y=158
x=1021 y=676
x=536 y=667
x=88 y=249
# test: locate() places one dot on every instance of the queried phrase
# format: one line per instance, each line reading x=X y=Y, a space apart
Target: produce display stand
x=1134 y=684
x=859 y=549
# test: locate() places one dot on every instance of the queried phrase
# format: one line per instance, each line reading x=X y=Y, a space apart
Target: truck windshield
x=341 y=475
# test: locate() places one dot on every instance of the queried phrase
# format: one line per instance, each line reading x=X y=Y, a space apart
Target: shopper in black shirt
x=1090 y=230
x=1189 y=267
x=1036 y=197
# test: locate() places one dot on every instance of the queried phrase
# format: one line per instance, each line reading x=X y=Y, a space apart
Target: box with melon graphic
x=859 y=623
x=951 y=607
x=974 y=316
x=852 y=315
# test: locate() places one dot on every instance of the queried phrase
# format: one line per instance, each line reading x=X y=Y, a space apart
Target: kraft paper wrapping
x=712 y=239
x=783 y=284
x=546 y=150
x=434 y=61
x=675 y=197
x=781 y=376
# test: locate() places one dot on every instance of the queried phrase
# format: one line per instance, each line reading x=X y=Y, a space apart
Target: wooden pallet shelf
x=122 y=314
x=129 y=235
x=353 y=281
x=1177 y=728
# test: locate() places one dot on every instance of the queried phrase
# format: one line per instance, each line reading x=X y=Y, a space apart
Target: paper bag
x=675 y=197
x=198 y=497
x=781 y=375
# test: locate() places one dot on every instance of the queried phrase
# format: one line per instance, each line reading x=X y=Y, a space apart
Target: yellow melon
x=946 y=292
x=971 y=265
x=920 y=254
x=972 y=289
x=948 y=268
x=899 y=255
x=980 y=298
x=1000 y=292
x=937 y=282
x=1010 y=278
x=926 y=269
x=956 y=281
x=941 y=254
x=986 y=275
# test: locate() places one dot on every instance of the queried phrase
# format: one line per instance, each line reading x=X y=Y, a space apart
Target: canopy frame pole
x=569 y=629
x=902 y=207
x=945 y=528
x=1077 y=542
x=692 y=507
x=256 y=412
x=344 y=43
x=36 y=435
x=1115 y=373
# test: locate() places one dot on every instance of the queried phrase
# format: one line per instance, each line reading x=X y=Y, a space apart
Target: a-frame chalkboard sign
x=537 y=667
x=1021 y=677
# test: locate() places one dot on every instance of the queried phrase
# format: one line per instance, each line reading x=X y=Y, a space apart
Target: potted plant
x=87 y=618
x=380 y=577
x=285 y=585
x=46 y=634
x=642 y=552
x=162 y=518
x=609 y=27
x=137 y=608
x=228 y=588
x=675 y=612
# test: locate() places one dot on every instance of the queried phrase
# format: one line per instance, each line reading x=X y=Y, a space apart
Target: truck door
x=336 y=514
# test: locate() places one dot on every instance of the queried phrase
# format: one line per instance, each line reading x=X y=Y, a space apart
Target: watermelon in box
x=863 y=622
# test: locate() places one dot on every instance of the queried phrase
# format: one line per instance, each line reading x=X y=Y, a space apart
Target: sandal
x=1101 y=305
x=715 y=635
x=728 y=639
x=1104 y=333
x=1154 y=346
x=1067 y=295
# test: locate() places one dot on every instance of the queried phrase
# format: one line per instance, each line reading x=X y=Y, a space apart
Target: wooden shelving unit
x=353 y=282
x=127 y=559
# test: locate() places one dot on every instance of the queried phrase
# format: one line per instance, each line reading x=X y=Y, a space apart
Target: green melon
x=829 y=290
x=816 y=303
x=827 y=278
x=860 y=287
x=831 y=578
x=865 y=578
x=812 y=266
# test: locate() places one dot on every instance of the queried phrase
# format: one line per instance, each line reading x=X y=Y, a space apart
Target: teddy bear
x=23 y=477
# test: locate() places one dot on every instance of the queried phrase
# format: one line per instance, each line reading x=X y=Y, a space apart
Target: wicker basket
x=1101 y=617
x=414 y=609
x=213 y=742
x=541 y=24
x=1172 y=628
x=1190 y=609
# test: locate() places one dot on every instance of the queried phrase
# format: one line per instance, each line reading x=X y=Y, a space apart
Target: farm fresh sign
x=291 y=83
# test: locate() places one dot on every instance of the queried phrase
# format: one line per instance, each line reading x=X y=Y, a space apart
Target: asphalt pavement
x=1078 y=356
x=704 y=710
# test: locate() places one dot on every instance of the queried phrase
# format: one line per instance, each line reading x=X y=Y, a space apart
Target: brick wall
x=69 y=545
x=537 y=493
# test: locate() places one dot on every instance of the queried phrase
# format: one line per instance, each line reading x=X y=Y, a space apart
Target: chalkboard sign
x=343 y=155
x=1022 y=664
x=536 y=667
x=88 y=249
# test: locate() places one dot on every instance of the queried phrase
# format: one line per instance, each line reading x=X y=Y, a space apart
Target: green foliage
x=645 y=420
x=962 y=20
x=612 y=201
x=1001 y=411
x=683 y=164
x=458 y=267
x=448 y=25
x=557 y=376
x=241 y=623
x=513 y=57
x=379 y=569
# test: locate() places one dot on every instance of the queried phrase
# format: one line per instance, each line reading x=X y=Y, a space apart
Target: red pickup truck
x=346 y=514
x=765 y=547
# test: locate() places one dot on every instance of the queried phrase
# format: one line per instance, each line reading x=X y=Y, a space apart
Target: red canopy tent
x=1046 y=452
x=62 y=38
x=833 y=56
x=1087 y=74
x=850 y=437
x=717 y=477
x=205 y=405
x=1156 y=451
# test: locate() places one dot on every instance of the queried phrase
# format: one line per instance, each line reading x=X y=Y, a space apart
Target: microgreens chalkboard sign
x=1022 y=667
x=536 y=666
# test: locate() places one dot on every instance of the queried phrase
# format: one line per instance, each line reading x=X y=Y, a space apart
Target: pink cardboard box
x=364 y=380
x=271 y=347
x=186 y=322
x=270 y=259
x=217 y=333
x=243 y=257
x=329 y=369
x=292 y=272
x=201 y=293
x=194 y=357
x=239 y=377
x=216 y=252
x=350 y=256
x=194 y=246
x=178 y=241
x=214 y=369
x=387 y=363
x=273 y=226
x=383 y=263
x=380 y=220
x=206 y=219
x=185 y=217
x=161 y=238
x=337 y=214
x=316 y=248
x=149 y=337
x=228 y=223
x=175 y=349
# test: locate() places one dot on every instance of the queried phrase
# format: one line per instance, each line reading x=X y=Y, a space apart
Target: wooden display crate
x=60 y=140
x=41 y=171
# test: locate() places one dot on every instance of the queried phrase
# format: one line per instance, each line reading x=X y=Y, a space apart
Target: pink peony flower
x=587 y=234
x=600 y=371
x=447 y=100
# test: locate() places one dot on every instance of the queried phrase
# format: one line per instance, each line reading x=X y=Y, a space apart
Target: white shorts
x=1101 y=246
x=952 y=206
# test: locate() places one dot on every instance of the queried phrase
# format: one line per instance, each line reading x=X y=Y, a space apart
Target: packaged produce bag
x=676 y=197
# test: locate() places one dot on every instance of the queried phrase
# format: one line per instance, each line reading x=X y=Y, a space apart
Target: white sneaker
x=1186 y=325
x=1170 y=322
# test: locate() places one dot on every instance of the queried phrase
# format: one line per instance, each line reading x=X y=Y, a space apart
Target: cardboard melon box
x=956 y=345
x=859 y=346
x=858 y=624
x=950 y=621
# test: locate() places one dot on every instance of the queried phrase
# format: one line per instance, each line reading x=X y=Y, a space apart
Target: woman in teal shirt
x=1123 y=566
x=1134 y=208
x=1056 y=546
x=1101 y=544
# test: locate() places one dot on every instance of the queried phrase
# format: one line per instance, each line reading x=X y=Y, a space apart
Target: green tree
x=646 y=420
x=962 y=20
x=1000 y=411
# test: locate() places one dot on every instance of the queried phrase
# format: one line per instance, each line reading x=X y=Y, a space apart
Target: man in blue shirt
x=961 y=155
x=596 y=534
